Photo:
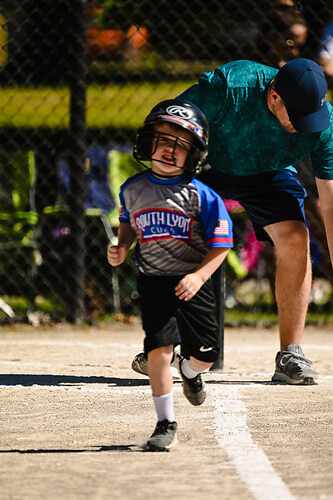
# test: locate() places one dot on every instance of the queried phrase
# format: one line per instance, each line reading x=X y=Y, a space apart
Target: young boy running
x=183 y=233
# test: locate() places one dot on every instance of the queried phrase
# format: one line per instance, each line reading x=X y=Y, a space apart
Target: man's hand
x=116 y=254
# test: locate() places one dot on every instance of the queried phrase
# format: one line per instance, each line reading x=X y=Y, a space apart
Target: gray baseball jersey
x=175 y=220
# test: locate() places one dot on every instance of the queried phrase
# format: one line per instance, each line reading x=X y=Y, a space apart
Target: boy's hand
x=188 y=286
x=116 y=254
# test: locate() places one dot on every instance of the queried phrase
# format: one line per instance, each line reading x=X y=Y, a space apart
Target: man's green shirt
x=245 y=138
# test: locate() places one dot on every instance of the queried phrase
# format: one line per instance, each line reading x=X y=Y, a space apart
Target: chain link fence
x=77 y=80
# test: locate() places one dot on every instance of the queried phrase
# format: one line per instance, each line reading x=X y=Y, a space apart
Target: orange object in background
x=137 y=37
x=104 y=42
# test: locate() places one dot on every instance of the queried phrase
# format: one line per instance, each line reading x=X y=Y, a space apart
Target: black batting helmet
x=186 y=116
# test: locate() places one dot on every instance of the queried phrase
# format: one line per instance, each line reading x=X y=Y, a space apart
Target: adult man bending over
x=262 y=121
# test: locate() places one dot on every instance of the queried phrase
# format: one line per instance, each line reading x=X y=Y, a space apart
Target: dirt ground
x=74 y=418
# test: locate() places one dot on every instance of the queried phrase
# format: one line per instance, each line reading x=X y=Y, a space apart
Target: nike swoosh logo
x=205 y=349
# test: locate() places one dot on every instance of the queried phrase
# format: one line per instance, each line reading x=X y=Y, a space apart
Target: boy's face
x=170 y=149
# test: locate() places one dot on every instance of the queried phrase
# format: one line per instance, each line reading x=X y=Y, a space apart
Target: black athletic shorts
x=168 y=320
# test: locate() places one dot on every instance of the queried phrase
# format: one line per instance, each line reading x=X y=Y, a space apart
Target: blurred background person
x=325 y=56
x=281 y=35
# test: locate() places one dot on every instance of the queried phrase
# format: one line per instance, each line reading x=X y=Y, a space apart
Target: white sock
x=164 y=407
x=187 y=370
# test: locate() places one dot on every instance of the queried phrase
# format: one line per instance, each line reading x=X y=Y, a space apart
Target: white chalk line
x=230 y=421
x=230 y=428
x=232 y=434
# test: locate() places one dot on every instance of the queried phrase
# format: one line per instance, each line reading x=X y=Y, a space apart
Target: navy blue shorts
x=267 y=198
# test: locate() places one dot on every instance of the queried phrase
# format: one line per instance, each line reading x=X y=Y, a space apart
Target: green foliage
x=118 y=14
x=122 y=166
x=178 y=16
x=124 y=106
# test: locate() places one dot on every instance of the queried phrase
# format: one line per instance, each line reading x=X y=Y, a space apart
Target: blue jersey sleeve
x=214 y=216
x=124 y=215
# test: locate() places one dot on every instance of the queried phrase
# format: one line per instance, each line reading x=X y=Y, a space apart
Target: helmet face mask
x=184 y=116
x=174 y=143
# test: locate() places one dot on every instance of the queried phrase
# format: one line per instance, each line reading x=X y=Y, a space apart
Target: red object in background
x=251 y=250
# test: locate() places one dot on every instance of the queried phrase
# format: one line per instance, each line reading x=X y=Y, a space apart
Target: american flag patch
x=221 y=227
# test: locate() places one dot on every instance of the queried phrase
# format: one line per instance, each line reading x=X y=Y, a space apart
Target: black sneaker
x=164 y=436
x=193 y=388
x=292 y=367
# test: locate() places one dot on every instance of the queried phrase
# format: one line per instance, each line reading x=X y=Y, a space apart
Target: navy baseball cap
x=302 y=85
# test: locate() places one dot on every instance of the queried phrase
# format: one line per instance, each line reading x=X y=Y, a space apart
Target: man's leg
x=292 y=291
x=293 y=278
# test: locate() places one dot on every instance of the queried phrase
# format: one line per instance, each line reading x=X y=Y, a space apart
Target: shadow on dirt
x=239 y=382
x=27 y=380
x=97 y=449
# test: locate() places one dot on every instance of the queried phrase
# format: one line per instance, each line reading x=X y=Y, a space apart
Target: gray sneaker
x=193 y=388
x=164 y=436
x=140 y=365
x=292 y=367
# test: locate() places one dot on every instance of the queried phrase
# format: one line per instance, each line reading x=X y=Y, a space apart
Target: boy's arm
x=126 y=235
x=117 y=253
x=211 y=262
x=191 y=283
